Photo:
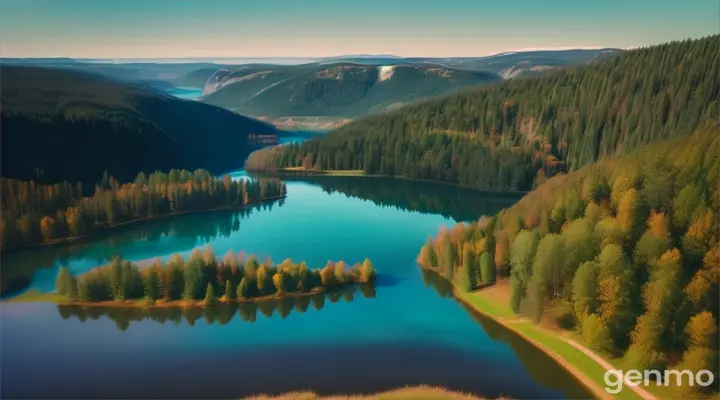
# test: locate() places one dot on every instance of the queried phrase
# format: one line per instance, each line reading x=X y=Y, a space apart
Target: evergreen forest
x=624 y=251
x=34 y=213
x=516 y=134
x=235 y=277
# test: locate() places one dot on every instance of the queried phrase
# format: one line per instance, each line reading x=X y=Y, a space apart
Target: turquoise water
x=404 y=332
x=185 y=92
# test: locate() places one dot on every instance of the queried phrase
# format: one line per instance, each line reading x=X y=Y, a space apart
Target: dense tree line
x=626 y=248
x=203 y=276
x=223 y=313
x=516 y=134
x=34 y=213
x=18 y=268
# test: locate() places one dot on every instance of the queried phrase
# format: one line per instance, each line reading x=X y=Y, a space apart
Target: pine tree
x=151 y=283
x=230 y=290
x=210 y=299
x=243 y=289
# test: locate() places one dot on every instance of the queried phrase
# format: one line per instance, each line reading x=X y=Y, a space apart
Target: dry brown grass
x=408 y=393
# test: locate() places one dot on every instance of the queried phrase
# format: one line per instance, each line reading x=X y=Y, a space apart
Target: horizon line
x=364 y=55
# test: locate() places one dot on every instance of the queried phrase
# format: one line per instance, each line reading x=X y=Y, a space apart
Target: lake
x=189 y=93
x=406 y=330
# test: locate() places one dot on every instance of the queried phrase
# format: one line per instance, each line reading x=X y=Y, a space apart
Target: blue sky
x=314 y=28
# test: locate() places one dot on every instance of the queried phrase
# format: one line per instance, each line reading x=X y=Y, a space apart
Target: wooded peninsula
x=36 y=214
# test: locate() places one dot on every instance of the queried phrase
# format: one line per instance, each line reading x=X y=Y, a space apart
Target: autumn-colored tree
x=424 y=257
x=279 y=281
x=699 y=236
x=340 y=272
x=304 y=283
x=703 y=289
x=658 y=224
x=327 y=274
x=367 y=271
x=47 y=227
x=702 y=351
x=264 y=280
x=617 y=287
x=631 y=213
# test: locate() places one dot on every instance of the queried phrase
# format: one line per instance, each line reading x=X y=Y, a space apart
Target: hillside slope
x=524 y=63
x=65 y=125
x=624 y=251
x=336 y=89
x=515 y=134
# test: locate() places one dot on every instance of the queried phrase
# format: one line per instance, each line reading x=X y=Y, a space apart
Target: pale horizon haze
x=321 y=28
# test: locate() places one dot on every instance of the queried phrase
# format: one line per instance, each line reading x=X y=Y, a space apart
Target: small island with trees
x=201 y=280
x=34 y=214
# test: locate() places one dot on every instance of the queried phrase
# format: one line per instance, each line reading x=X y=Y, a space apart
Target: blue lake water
x=185 y=92
x=407 y=330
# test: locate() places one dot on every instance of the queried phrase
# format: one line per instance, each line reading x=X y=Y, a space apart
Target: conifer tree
x=210 y=299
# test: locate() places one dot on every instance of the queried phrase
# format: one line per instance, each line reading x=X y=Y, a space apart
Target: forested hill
x=66 y=125
x=334 y=89
x=514 y=134
x=625 y=251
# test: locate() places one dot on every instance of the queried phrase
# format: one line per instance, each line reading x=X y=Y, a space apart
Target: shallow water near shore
x=404 y=331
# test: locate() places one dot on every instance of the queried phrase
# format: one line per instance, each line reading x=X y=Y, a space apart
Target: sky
x=322 y=28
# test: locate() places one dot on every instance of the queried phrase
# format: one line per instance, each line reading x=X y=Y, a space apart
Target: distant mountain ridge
x=341 y=89
x=70 y=125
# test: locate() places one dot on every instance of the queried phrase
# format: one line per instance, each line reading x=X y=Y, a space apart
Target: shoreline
x=103 y=229
x=581 y=377
x=35 y=296
x=361 y=173
x=411 y=392
x=582 y=363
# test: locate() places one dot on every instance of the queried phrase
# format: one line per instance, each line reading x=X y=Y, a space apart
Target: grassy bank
x=408 y=393
x=494 y=302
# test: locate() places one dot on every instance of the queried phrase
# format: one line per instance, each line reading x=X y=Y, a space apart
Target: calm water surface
x=406 y=330
x=189 y=93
